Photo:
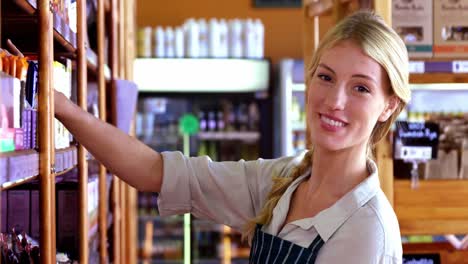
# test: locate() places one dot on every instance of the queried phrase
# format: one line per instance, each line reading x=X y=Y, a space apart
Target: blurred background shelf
x=248 y=136
x=435 y=207
x=429 y=78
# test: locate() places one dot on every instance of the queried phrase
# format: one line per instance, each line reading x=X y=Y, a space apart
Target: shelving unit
x=428 y=78
x=212 y=87
x=247 y=136
x=435 y=207
x=36 y=30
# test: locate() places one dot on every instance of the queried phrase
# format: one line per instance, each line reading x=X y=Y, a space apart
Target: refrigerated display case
x=232 y=100
x=290 y=99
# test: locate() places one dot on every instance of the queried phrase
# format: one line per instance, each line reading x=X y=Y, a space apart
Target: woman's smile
x=331 y=123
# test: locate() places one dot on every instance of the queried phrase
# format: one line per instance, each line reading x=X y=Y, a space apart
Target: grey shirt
x=361 y=227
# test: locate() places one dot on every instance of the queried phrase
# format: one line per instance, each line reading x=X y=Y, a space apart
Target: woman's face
x=348 y=94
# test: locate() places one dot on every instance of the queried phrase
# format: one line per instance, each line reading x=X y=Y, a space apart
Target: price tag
x=426 y=258
x=417 y=67
x=416 y=140
x=460 y=66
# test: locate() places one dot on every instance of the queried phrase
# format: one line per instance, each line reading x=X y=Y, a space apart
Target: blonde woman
x=323 y=206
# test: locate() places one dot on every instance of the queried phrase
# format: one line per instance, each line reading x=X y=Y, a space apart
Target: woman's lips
x=331 y=123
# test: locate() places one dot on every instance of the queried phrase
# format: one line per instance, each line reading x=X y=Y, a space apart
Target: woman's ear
x=391 y=106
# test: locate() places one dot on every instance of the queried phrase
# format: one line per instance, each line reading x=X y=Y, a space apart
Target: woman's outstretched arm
x=125 y=156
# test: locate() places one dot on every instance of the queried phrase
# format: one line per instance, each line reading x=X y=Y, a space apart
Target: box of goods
x=450 y=28
x=412 y=20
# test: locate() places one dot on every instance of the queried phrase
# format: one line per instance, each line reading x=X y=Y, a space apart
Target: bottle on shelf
x=202 y=148
x=254 y=117
x=192 y=38
x=214 y=38
x=179 y=43
x=144 y=42
x=203 y=122
x=169 y=40
x=260 y=38
x=249 y=34
x=211 y=121
x=220 y=121
x=223 y=39
x=159 y=42
x=243 y=117
x=236 y=45
x=212 y=150
x=203 y=37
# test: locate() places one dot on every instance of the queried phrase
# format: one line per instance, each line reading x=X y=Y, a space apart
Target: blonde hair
x=381 y=43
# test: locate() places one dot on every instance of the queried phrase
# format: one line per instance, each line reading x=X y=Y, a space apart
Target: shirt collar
x=329 y=220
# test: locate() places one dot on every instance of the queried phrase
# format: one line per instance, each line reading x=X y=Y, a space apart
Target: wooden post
x=123 y=222
x=117 y=216
x=384 y=9
x=340 y=9
x=82 y=162
x=131 y=236
x=122 y=47
x=384 y=149
x=52 y=143
x=131 y=233
x=47 y=249
x=123 y=186
x=113 y=54
x=102 y=216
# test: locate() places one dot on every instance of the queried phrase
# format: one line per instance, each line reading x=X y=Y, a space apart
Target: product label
x=416 y=140
x=416 y=67
x=408 y=6
x=460 y=66
x=412 y=20
x=427 y=258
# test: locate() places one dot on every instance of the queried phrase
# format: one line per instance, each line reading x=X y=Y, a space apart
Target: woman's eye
x=362 y=89
x=324 y=77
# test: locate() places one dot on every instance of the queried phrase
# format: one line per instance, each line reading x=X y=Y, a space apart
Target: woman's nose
x=335 y=99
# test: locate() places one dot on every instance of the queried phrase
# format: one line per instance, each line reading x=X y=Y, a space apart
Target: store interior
x=222 y=79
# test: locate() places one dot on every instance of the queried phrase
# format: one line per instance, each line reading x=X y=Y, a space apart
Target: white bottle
x=214 y=37
x=192 y=39
x=144 y=42
x=223 y=39
x=203 y=35
x=260 y=39
x=249 y=39
x=179 y=42
x=169 y=42
x=159 y=43
x=235 y=39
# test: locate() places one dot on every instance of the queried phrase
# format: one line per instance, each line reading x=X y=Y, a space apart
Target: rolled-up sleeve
x=224 y=192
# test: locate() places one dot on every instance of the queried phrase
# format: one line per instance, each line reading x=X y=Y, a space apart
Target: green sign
x=188 y=124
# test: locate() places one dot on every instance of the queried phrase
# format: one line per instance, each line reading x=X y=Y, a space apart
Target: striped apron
x=267 y=249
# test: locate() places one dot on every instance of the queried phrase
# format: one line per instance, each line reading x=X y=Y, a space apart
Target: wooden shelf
x=8 y=185
x=423 y=78
x=63 y=35
x=18 y=167
x=435 y=207
x=26 y=166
